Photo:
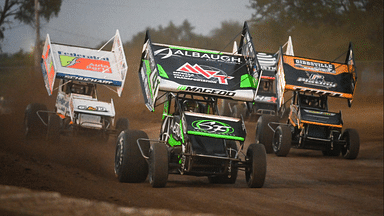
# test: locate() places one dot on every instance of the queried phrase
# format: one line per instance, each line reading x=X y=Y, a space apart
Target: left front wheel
x=282 y=139
x=352 y=146
x=158 y=165
x=130 y=165
x=257 y=166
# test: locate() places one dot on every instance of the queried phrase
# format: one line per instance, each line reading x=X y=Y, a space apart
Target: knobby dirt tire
x=264 y=134
x=130 y=165
x=282 y=139
x=158 y=165
x=257 y=166
x=352 y=148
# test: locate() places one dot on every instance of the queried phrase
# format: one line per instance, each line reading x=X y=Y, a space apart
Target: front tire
x=264 y=134
x=257 y=166
x=282 y=139
x=130 y=165
x=352 y=146
x=158 y=165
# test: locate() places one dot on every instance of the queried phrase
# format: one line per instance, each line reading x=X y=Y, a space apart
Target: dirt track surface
x=303 y=183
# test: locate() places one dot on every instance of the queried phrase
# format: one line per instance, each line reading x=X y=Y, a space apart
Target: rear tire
x=264 y=134
x=352 y=147
x=257 y=168
x=282 y=139
x=158 y=165
x=33 y=125
x=130 y=165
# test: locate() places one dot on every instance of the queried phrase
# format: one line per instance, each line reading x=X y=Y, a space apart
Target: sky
x=90 y=22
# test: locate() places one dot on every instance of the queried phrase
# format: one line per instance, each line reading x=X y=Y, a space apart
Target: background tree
x=24 y=12
x=323 y=27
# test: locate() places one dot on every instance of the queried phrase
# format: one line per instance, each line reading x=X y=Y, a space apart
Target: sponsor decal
x=266 y=98
x=92 y=108
x=316 y=80
x=89 y=79
x=210 y=126
x=267 y=61
x=195 y=53
x=207 y=91
x=314 y=66
x=81 y=63
x=201 y=73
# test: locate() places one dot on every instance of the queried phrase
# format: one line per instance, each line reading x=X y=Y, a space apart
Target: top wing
x=85 y=65
x=319 y=76
x=184 y=69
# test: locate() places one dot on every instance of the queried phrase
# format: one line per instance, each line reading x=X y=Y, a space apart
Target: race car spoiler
x=319 y=76
x=84 y=64
x=183 y=69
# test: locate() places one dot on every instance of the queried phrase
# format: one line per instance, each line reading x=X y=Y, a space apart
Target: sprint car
x=194 y=138
x=77 y=108
x=310 y=123
x=268 y=95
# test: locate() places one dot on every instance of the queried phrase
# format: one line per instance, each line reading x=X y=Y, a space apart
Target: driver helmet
x=191 y=106
x=78 y=89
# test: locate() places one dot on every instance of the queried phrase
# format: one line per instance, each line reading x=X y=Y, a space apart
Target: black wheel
x=33 y=125
x=158 y=165
x=53 y=128
x=282 y=139
x=122 y=124
x=130 y=165
x=352 y=146
x=264 y=134
x=257 y=166
x=229 y=178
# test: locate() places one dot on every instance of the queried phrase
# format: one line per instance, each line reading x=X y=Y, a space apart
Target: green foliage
x=24 y=11
x=320 y=28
